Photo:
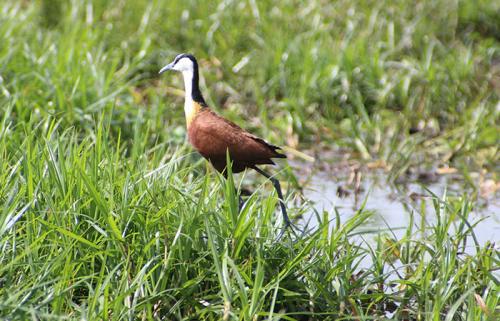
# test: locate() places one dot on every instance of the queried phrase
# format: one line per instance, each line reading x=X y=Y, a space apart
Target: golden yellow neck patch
x=191 y=108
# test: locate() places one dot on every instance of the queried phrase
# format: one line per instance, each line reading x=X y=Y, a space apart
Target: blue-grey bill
x=167 y=67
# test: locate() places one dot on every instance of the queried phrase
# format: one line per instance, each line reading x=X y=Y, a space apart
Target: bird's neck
x=194 y=101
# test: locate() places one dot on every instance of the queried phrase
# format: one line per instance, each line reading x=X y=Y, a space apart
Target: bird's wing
x=215 y=135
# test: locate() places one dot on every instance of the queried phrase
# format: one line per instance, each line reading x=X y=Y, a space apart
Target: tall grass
x=105 y=213
x=91 y=231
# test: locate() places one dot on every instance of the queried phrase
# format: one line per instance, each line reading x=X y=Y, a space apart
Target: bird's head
x=183 y=62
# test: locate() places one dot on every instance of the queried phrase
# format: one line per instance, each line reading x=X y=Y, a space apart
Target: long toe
x=290 y=227
x=293 y=228
x=282 y=232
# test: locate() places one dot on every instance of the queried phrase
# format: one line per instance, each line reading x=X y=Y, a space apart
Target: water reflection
x=392 y=203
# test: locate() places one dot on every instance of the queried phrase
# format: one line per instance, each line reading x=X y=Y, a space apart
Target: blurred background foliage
x=104 y=213
x=403 y=82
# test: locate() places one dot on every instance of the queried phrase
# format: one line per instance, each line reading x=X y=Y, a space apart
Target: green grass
x=92 y=230
x=106 y=214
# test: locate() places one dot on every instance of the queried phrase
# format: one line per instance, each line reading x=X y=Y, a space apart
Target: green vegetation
x=105 y=214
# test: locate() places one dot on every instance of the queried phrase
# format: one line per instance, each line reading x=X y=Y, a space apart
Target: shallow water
x=392 y=204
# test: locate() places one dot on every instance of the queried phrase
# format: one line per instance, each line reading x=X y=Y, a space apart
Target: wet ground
x=346 y=185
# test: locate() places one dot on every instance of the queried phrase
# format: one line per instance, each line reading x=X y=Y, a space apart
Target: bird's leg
x=241 y=202
x=277 y=186
x=240 y=199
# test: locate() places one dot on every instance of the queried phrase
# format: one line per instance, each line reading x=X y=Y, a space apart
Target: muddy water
x=392 y=204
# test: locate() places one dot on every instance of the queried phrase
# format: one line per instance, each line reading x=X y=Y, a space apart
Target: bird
x=214 y=136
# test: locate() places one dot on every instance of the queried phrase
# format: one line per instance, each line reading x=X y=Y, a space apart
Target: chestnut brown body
x=213 y=136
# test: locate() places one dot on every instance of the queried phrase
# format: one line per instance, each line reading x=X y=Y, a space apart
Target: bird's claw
x=292 y=227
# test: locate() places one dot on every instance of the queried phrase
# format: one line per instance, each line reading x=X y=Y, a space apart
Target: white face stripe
x=183 y=64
